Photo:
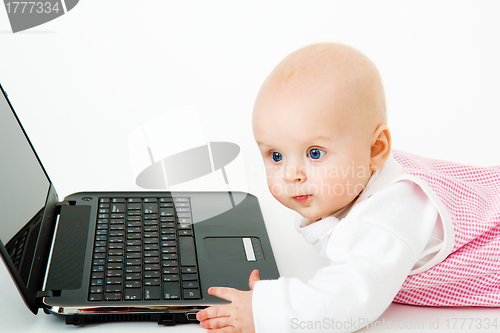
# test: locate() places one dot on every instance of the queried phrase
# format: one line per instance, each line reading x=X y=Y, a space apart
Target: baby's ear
x=380 y=148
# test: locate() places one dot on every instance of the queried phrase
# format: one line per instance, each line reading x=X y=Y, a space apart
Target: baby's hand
x=234 y=317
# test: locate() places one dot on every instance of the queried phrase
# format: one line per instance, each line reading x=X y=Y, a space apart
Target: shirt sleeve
x=371 y=252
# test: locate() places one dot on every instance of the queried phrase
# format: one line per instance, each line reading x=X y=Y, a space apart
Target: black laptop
x=113 y=256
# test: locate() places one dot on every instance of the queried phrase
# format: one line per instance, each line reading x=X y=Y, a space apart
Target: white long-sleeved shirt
x=391 y=231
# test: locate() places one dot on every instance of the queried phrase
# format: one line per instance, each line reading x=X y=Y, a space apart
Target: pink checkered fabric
x=470 y=275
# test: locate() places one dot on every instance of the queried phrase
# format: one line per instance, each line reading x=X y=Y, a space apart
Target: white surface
x=83 y=82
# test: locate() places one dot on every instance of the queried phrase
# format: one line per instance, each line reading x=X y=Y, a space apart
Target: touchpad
x=224 y=249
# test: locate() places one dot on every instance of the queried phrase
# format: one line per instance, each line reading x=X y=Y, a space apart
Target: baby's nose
x=294 y=173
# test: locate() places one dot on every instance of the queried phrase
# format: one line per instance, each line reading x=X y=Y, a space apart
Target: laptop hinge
x=40 y=295
x=44 y=293
x=60 y=204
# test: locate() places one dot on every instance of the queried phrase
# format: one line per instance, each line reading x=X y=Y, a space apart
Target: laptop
x=114 y=256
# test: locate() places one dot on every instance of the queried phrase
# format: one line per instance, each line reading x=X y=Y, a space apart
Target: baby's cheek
x=275 y=188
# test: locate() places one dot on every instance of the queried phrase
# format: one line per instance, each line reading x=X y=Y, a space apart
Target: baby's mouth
x=302 y=198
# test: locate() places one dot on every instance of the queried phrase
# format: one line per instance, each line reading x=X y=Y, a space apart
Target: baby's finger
x=216 y=323
x=223 y=292
x=213 y=312
x=254 y=277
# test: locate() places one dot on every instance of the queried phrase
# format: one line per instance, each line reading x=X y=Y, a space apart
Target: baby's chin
x=309 y=214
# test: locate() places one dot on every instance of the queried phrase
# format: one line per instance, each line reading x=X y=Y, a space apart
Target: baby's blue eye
x=277 y=157
x=316 y=153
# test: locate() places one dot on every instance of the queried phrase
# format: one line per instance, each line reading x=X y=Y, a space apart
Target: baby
x=393 y=226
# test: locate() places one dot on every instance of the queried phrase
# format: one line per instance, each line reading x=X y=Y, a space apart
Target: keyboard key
x=189 y=270
x=99 y=268
x=189 y=277
x=96 y=282
x=184 y=226
x=134 y=224
x=137 y=235
x=99 y=255
x=187 y=251
x=185 y=232
x=151 y=241
x=114 y=273
x=134 y=255
x=171 y=277
x=152 y=282
x=114 y=288
x=115 y=266
x=132 y=294
x=150 y=208
x=133 y=284
x=114 y=280
x=115 y=252
x=96 y=290
x=169 y=249
x=95 y=297
x=151 y=274
x=152 y=267
x=113 y=297
x=133 y=269
x=171 y=290
x=152 y=260
x=171 y=270
x=134 y=248
x=166 y=211
x=133 y=276
x=151 y=253
x=169 y=256
x=133 y=206
x=190 y=285
x=191 y=294
x=169 y=263
x=133 y=262
x=151 y=247
x=152 y=293
x=115 y=259
x=98 y=262
x=150 y=228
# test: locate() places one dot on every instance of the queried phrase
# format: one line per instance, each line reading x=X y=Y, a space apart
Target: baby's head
x=320 y=122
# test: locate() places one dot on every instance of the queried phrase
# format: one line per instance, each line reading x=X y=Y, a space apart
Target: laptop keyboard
x=144 y=250
x=15 y=248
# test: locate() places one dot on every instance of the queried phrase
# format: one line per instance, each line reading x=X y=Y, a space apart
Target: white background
x=83 y=82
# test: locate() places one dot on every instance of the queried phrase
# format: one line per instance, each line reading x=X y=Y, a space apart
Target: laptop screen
x=23 y=188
